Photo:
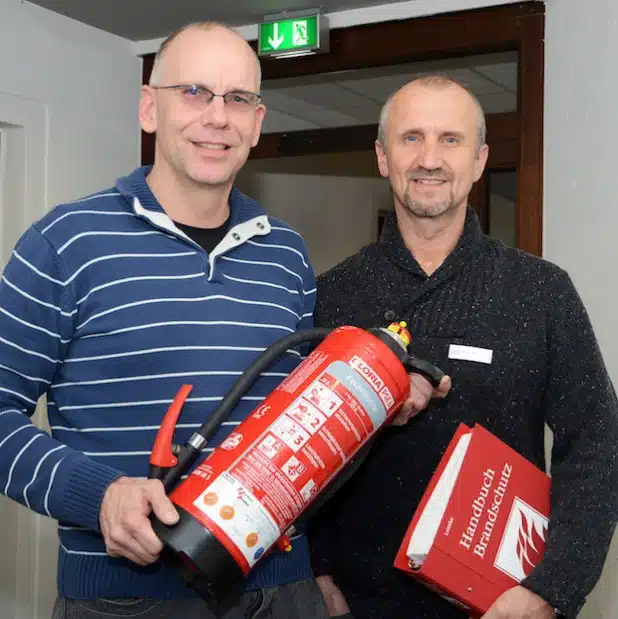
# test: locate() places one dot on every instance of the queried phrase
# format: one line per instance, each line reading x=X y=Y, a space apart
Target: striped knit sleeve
x=37 y=311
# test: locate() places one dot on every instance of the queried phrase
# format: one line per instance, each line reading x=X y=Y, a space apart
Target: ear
x=481 y=161
x=147 y=110
x=260 y=112
x=382 y=159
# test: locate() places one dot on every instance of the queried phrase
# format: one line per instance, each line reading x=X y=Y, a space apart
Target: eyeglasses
x=199 y=96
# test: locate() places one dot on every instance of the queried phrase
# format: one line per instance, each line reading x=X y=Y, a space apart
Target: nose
x=215 y=113
x=429 y=156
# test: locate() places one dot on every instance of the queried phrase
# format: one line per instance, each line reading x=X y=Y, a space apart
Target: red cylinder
x=250 y=490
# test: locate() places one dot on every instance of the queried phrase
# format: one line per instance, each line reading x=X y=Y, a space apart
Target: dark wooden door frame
x=514 y=27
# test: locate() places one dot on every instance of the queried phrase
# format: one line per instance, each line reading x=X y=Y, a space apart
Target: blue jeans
x=298 y=600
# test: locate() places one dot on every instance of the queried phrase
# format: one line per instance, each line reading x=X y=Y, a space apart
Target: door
x=28 y=541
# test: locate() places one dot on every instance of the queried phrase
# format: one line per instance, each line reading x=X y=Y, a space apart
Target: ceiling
x=350 y=98
x=140 y=20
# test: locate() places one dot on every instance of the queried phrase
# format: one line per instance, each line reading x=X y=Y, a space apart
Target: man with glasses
x=110 y=303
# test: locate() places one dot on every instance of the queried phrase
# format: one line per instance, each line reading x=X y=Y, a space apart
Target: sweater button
x=236 y=236
x=389 y=315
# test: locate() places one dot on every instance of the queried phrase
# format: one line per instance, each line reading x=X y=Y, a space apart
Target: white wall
x=88 y=82
x=581 y=201
x=68 y=117
x=335 y=211
x=502 y=219
x=581 y=130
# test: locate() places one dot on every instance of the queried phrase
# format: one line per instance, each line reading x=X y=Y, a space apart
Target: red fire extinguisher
x=241 y=501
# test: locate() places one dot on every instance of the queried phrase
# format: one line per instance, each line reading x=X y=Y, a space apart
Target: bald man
x=526 y=356
x=112 y=302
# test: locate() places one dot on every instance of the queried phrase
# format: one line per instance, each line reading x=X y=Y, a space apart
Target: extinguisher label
x=281 y=467
x=355 y=380
x=235 y=510
x=372 y=377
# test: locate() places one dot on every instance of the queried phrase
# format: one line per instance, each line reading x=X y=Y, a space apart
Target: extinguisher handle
x=419 y=366
x=162 y=458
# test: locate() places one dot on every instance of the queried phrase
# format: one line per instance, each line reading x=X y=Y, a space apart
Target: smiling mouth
x=429 y=181
x=211 y=146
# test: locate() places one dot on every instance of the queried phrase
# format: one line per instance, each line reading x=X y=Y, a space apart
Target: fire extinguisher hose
x=193 y=449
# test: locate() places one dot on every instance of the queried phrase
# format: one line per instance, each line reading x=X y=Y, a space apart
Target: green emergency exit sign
x=291 y=36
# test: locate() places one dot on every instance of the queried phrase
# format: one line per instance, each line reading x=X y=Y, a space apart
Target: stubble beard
x=424 y=210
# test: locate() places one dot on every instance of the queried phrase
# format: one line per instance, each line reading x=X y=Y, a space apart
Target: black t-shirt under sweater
x=207 y=238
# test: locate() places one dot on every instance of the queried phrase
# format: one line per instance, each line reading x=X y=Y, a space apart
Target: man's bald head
x=437 y=82
x=158 y=68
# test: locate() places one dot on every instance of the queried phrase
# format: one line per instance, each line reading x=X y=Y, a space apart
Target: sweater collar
x=135 y=186
x=391 y=244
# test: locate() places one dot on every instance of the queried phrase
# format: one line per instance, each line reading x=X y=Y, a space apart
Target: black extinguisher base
x=201 y=560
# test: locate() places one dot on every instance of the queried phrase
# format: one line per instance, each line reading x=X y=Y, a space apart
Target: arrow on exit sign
x=276 y=40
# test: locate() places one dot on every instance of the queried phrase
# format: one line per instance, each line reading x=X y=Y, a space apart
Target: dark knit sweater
x=546 y=367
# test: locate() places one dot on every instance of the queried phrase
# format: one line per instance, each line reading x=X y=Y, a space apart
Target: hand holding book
x=520 y=603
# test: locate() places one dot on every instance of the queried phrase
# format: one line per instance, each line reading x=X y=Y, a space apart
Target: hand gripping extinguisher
x=243 y=499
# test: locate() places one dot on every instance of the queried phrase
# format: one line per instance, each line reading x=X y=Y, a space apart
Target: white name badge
x=470 y=353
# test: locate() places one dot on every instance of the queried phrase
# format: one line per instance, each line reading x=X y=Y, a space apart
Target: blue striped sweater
x=107 y=308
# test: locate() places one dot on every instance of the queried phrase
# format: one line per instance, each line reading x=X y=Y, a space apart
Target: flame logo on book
x=523 y=542
x=530 y=544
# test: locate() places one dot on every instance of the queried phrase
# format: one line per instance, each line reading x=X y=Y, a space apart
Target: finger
x=161 y=505
x=400 y=419
x=124 y=554
x=149 y=544
x=409 y=409
x=143 y=540
x=415 y=403
x=125 y=545
x=132 y=556
x=443 y=388
x=491 y=613
x=420 y=386
x=134 y=532
x=421 y=393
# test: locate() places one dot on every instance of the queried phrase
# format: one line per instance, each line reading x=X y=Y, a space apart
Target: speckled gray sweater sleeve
x=582 y=410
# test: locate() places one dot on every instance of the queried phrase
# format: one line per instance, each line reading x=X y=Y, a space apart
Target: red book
x=481 y=525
